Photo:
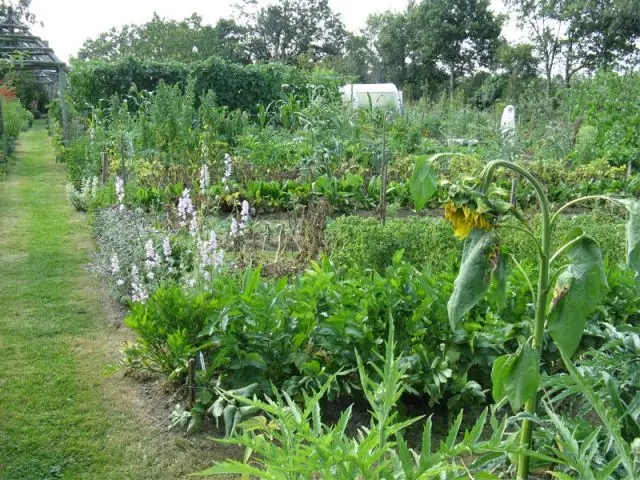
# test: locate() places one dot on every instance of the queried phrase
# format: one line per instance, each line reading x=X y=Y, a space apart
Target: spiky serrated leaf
x=579 y=290
x=422 y=184
x=480 y=260
x=236 y=468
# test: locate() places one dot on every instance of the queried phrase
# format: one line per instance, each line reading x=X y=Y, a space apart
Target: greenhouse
x=379 y=95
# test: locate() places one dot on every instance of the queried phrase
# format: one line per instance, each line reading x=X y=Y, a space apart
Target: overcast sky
x=68 y=23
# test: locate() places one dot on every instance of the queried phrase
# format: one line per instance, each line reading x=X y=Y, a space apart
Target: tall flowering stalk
x=138 y=292
x=227 y=170
x=561 y=310
x=211 y=257
x=204 y=178
x=187 y=213
x=120 y=192
x=152 y=260
x=115 y=269
x=245 y=216
x=235 y=230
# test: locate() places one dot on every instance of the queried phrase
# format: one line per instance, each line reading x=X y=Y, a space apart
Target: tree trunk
x=452 y=83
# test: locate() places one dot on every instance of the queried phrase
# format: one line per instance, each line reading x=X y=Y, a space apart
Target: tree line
x=430 y=47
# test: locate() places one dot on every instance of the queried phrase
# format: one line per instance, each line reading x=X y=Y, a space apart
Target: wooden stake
x=191 y=383
x=383 y=174
x=123 y=172
x=105 y=168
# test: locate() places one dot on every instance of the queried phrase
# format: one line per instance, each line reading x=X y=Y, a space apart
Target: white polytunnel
x=376 y=95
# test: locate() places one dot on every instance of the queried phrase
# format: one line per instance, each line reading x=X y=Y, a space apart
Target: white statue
x=508 y=125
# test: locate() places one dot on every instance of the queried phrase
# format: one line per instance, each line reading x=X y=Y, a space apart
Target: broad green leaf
x=578 y=291
x=250 y=281
x=195 y=424
x=516 y=377
x=480 y=260
x=422 y=184
x=633 y=233
x=217 y=409
x=228 y=415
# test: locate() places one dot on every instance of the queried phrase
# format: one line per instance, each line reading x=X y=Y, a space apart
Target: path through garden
x=60 y=416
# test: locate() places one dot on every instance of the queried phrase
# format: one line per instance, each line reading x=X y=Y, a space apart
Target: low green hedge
x=428 y=241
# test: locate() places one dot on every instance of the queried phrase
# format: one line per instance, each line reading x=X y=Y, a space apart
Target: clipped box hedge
x=357 y=242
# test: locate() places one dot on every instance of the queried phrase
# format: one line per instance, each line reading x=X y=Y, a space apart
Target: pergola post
x=66 y=127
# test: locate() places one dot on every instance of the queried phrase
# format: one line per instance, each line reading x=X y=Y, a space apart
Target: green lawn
x=60 y=417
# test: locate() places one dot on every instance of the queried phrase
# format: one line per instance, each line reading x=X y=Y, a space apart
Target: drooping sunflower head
x=464 y=219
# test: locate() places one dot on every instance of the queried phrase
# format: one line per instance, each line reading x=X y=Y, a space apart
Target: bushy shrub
x=608 y=102
x=363 y=242
x=167 y=328
x=16 y=117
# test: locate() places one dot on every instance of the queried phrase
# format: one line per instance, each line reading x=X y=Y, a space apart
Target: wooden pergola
x=25 y=51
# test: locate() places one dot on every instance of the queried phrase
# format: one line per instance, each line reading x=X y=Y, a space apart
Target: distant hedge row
x=236 y=86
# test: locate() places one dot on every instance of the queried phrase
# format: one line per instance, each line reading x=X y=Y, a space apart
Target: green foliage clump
x=586 y=144
x=293 y=334
x=609 y=103
x=16 y=118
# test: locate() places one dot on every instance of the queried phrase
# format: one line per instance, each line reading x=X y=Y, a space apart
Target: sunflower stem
x=541 y=299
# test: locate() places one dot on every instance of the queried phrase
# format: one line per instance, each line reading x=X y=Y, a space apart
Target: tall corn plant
x=580 y=281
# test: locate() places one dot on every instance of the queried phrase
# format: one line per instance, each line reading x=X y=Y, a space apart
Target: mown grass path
x=60 y=417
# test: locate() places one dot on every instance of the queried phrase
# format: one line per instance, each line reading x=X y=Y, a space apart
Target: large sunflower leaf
x=516 y=377
x=500 y=278
x=480 y=260
x=578 y=291
x=633 y=232
x=422 y=184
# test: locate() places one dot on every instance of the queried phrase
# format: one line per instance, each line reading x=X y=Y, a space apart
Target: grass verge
x=60 y=417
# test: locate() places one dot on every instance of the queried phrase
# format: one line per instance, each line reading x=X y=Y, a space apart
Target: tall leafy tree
x=291 y=29
x=518 y=61
x=162 y=39
x=459 y=35
x=20 y=7
x=357 y=60
x=390 y=36
x=546 y=22
x=600 y=33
